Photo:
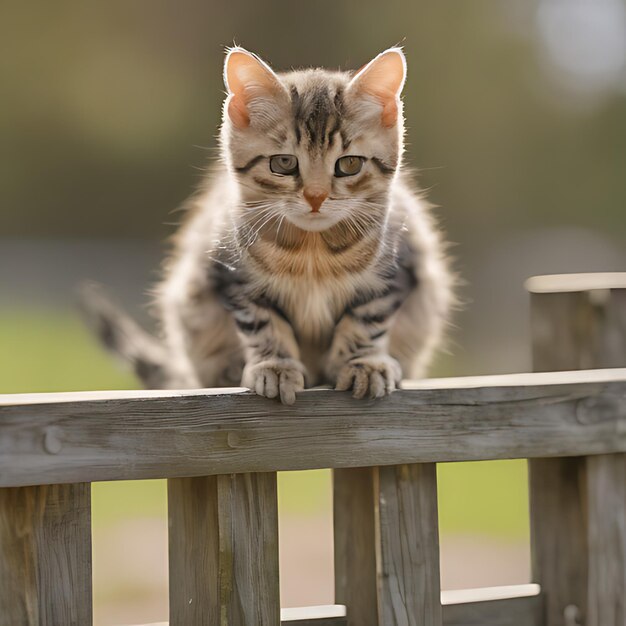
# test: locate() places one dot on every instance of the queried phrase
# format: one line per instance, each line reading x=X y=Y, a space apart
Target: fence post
x=193 y=551
x=409 y=590
x=354 y=530
x=45 y=555
x=578 y=505
x=387 y=545
x=223 y=539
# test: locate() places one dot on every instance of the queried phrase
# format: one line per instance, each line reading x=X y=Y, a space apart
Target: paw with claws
x=373 y=376
x=273 y=378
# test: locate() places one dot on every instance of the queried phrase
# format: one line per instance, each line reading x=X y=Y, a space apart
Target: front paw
x=275 y=377
x=375 y=376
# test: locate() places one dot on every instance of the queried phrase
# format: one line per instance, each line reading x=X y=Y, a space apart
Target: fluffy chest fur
x=285 y=250
x=315 y=276
x=314 y=306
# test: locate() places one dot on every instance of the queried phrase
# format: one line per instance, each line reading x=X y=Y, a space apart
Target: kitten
x=307 y=258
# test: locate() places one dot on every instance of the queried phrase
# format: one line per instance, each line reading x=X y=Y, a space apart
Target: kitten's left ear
x=250 y=83
x=383 y=78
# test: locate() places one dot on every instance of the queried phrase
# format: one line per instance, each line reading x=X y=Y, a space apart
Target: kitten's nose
x=315 y=199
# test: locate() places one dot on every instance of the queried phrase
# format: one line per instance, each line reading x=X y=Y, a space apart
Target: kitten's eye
x=286 y=164
x=348 y=165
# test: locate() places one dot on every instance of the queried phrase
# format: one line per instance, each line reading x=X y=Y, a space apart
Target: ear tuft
x=383 y=78
x=246 y=77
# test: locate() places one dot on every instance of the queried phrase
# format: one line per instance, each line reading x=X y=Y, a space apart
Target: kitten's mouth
x=314 y=221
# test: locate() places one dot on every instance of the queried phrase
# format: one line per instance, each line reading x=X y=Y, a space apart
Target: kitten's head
x=314 y=146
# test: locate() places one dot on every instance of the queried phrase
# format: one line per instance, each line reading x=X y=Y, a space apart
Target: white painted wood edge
x=12 y=399
x=488 y=594
x=519 y=380
x=312 y=612
x=324 y=611
x=455 y=596
x=464 y=382
x=559 y=283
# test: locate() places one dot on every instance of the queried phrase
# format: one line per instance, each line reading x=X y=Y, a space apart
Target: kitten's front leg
x=273 y=368
x=358 y=358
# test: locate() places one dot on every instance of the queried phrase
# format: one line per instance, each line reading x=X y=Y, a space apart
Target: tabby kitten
x=308 y=257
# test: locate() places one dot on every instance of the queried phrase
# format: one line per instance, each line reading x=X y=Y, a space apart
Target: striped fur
x=262 y=289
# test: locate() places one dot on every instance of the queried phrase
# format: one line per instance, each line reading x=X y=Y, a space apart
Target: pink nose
x=315 y=199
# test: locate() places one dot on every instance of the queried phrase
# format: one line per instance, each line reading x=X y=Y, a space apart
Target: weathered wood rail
x=221 y=449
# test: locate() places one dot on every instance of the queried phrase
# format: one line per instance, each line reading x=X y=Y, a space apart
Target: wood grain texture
x=579 y=330
x=45 y=556
x=355 y=544
x=193 y=551
x=408 y=545
x=558 y=506
x=201 y=435
x=223 y=541
x=557 y=487
x=606 y=486
x=581 y=325
x=248 y=547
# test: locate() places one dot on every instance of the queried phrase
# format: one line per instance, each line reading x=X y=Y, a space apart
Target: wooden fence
x=221 y=449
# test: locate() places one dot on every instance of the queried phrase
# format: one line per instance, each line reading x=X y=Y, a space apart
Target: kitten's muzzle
x=315 y=199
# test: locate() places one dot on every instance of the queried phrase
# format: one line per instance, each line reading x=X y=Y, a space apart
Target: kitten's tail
x=124 y=337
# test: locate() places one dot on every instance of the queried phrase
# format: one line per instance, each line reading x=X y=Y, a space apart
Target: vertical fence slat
x=606 y=476
x=577 y=507
x=408 y=587
x=607 y=540
x=224 y=551
x=558 y=506
x=558 y=501
x=45 y=556
x=248 y=519
x=355 y=544
x=193 y=551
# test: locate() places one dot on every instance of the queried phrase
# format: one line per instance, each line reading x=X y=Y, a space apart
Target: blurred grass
x=51 y=351
x=474 y=498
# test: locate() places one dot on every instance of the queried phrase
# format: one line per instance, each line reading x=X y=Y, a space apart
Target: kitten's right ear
x=249 y=81
x=383 y=79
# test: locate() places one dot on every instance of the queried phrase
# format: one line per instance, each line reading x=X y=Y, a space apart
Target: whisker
x=256 y=228
x=280 y=223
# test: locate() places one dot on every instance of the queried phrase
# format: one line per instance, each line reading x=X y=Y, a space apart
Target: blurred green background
x=516 y=115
